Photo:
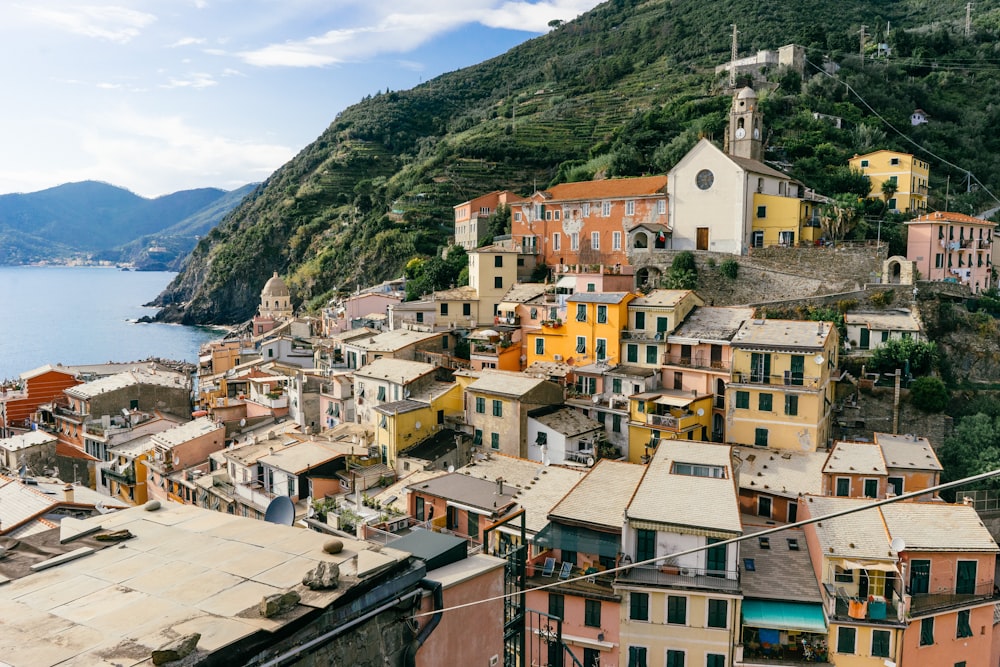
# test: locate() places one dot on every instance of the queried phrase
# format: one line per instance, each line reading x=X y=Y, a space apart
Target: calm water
x=82 y=315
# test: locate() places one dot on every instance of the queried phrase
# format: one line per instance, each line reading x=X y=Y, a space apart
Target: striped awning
x=777 y=615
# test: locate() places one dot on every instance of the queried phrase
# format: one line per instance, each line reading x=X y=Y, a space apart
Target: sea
x=86 y=315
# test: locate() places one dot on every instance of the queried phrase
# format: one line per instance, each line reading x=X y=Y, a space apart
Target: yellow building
x=783 y=220
x=590 y=332
x=781 y=391
x=911 y=176
x=403 y=424
x=651 y=318
x=657 y=416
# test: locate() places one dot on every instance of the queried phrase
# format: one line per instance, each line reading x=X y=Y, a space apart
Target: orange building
x=472 y=217
x=38 y=386
x=587 y=223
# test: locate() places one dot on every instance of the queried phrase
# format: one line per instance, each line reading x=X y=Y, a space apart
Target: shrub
x=921 y=356
x=929 y=394
x=683 y=272
x=730 y=268
x=882 y=298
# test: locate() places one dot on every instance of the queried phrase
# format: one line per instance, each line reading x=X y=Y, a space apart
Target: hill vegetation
x=623 y=90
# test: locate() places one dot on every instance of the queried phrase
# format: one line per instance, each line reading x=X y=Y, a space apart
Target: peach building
x=587 y=222
x=472 y=217
x=952 y=247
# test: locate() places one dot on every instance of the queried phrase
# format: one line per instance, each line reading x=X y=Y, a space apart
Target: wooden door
x=703 y=238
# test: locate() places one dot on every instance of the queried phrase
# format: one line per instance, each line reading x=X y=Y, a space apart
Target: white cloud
x=187 y=41
x=192 y=80
x=114 y=24
x=535 y=17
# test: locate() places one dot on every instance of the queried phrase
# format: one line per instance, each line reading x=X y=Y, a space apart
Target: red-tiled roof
x=950 y=216
x=609 y=188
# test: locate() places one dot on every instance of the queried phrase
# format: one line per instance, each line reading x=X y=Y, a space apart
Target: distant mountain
x=96 y=220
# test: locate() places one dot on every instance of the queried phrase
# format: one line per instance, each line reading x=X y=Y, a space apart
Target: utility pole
x=732 y=59
x=968 y=19
x=862 y=49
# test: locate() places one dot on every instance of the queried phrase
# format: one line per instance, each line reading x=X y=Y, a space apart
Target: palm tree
x=889 y=190
x=839 y=216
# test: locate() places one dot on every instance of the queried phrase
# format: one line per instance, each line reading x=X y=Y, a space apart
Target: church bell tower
x=745 y=130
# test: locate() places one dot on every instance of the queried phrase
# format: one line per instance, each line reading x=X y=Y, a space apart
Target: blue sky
x=164 y=95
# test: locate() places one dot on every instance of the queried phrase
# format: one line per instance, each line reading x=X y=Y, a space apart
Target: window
x=698 y=470
x=764 y=543
x=761 y=211
x=638 y=609
x=715 y=660
x=591 y=657
x=495 y=440
x=548 y=215
x=939 y=261
x=640 y=320
x=606 y=208
x=843 y=486
x=880 y=643
x=661 y=207
x=616 y=423
x=592 y=613
x=965 y=578
x=630 y=207
x=871 y=488
x=760 y=437
x=793 y=544
x=616 y=385
x=498 y=282
x=645 y=544
x=677 y=609
x=557 y=605
x=864 y=163
x=651 y=354
x=616 y=240
x=556 y=214
x=574 y=241
x=419 y=510
x=718 y=613
x=793 y=512
x=631 y=353
x=539 y=345
x=602 y=314
x=497 y=408
x=764 y=402
x=498 y=261
x=893 y=161
x=444 y=309
x=964 y=628
x=595 y=240
x=601 y=350
x=420 y=318
x=472 y=520
x=896 y=485
x=480 y=405
x=675 y=658
x=927 y=631
x=556 y=241
x=791 y=405
x=381 y=393
x=581 y=344
x=517 y=216
x=581 y=312
x=586 y=210
x=637 y=656
x=764 y=506
x=845 y=639
x=477 y=439
x=743 y=400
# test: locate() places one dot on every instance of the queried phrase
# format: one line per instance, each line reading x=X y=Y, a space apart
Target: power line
x=734 y=540
x=900 y=133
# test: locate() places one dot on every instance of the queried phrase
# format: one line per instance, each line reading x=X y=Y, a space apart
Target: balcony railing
x=925 y=602
x=695 y=361
x=687 y=577
x=665 y=421
x=787 y=379
x=643 y=335
x=842 y=605
x=512 y=320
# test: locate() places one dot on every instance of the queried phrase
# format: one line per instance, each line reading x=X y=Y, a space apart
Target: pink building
x=952 y=247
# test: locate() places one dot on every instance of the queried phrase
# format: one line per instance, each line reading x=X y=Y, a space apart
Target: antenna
x=281 y=510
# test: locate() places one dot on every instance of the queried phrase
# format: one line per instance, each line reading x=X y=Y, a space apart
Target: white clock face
x=756 y=133
x=704 y=179
x=740 y=133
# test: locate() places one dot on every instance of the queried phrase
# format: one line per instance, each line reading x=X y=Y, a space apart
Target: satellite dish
x=281 y=510
x=898 y=544
x=451 y=468
x=701 y=412
x=417 y=424
x=819 y=359
x=243 y=422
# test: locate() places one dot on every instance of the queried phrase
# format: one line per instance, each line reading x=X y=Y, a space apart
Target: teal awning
x=584 y=540
x=784 y=615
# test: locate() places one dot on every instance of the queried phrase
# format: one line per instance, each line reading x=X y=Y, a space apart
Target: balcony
x=786 y=379
x=922 y=603
x=641 y=335
x=122 y=474
x=846 y=607
x=698 y=360
x=255 y=495
x=552 y=324
x=509 y=319
x=682 y=577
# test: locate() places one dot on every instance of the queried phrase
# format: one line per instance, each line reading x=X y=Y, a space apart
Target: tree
x=838 y=217
x=929 y=394
x=889 y=189
x=973 y=448
x=920 y=357
x=683 y=272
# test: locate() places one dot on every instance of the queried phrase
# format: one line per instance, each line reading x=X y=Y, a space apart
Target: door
x=865 y=341
x=702 y=238
x=716 y=559
x=920 y=576
x=965 y=580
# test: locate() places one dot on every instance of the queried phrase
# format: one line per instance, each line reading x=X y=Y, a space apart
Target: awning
x=584 y=540
x=566 y=282
x=876 y=567
x=784 y=615
x=675 y=401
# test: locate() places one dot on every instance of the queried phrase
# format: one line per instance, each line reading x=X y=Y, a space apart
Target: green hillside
x=623 y=90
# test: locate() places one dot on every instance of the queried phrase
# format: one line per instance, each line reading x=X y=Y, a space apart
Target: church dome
x=746 y=94
x=275 y=287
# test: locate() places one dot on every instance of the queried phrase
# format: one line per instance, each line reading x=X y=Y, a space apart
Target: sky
x=158 y=96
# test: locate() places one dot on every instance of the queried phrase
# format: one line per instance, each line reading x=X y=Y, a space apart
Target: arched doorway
x=647 y=276
x=641 y=240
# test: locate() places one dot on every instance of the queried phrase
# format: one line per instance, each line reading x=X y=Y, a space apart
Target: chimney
x=68 y=493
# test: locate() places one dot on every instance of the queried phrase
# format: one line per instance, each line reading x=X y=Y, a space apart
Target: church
x=730 y=201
